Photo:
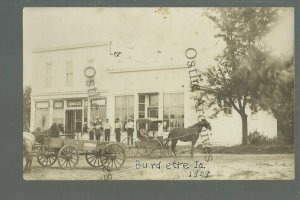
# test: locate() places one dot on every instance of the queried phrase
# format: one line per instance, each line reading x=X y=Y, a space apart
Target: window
x=124 y=108
x=153 y=106
x=41 y=120
x=48 y=75
x=173 y=111
x=98 y=108
x=58 y=112
x=227 y=108
x=69 y=73
x=142 y=106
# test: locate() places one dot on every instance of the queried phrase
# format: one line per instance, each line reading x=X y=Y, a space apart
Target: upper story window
x=48 y=75
x=227 y=108
x=69 y=73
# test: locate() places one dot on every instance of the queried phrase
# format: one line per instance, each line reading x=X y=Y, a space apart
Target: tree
x=26 y=108
x=242 y=68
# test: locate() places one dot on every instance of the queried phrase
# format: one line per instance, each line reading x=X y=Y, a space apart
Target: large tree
x=243 y=67
x=26 y=108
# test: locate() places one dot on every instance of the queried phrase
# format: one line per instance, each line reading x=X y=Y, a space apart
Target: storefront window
x=98 y=108
x=41 y=120
x=153 y=106
x=124 y=108
x=173 y=111
x=58 y=112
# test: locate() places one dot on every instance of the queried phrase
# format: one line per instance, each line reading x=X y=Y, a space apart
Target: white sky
x=139 y=33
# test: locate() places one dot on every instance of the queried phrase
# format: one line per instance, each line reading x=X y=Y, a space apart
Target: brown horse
x=29 y=139
x=187 y=134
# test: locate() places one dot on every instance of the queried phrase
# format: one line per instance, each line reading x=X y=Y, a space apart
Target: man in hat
x=91 y=130
x=118 y=127
x=106 y=127
x=130 y=128
x=98 y=129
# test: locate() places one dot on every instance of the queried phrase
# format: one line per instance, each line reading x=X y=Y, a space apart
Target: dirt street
x=221 y=167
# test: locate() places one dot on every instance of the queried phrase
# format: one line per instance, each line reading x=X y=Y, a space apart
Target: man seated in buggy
x=147 y=128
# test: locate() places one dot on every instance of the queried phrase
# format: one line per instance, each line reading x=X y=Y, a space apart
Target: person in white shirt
x=130 y=128
x=106 y=127
x=118 y=127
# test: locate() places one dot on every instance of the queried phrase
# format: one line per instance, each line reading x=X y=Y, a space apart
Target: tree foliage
x=246 y=74
x=26 y=108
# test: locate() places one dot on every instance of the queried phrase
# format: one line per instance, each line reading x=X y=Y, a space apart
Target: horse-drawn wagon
x=110 y=156
x=150 y=143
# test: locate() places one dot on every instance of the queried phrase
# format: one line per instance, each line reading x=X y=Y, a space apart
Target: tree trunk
x=244 y=129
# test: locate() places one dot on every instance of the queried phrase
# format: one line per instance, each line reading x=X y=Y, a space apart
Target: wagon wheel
x=94 y=159
x=68 y=157
x=152 y=148
x=112 y=157
x=131 y=150
x=47 y=156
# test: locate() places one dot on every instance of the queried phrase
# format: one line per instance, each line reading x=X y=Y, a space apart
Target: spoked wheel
x=94 y=159
x=47 y=156
x=131 y=149
x=152 y=148
x=113 y=157
x=68 y=157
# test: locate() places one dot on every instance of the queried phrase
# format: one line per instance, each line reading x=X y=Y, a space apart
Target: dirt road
x=221 y=167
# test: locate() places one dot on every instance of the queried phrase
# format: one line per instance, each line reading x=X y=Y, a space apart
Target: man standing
x=130 y=128
x=98 y=129
x=118 y=127
x=106 y=127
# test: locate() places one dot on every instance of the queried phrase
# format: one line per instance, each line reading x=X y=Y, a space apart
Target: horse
x=187 y=134
x=37 y=136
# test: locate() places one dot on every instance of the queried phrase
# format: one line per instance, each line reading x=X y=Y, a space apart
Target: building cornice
x=66 y=94
x=137 y=69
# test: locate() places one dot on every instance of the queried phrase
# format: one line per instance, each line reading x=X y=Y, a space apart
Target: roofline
x=124 y=70
x=70 y=47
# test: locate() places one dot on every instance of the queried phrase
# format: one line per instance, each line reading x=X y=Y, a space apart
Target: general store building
x=60 y=94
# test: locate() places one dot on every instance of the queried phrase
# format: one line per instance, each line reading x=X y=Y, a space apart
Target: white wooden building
x=60 y=94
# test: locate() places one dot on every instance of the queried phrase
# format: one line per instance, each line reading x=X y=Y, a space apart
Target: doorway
x=73 y=121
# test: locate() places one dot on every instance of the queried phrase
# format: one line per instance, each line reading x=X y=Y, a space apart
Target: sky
x=146 y=37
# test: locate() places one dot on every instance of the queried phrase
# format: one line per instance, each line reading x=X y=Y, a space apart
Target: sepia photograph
x=158 y=93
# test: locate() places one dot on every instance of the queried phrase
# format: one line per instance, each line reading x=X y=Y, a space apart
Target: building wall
x=112 y=81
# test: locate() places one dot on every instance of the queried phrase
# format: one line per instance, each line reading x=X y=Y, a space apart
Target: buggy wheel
x=68 y=157
x=131 y=150
x=152 y=148
x=47 y=156
x=94 y=159
x=112 y=157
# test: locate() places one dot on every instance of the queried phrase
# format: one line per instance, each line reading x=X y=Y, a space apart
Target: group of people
x=97 y=128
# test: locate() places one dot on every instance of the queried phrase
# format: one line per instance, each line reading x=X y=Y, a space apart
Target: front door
x=73 y=121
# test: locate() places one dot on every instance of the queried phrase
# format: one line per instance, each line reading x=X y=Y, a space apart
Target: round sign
x=90 y=72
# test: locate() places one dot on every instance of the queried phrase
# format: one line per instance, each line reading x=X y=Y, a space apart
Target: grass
x=242 y=149
x=255 y=149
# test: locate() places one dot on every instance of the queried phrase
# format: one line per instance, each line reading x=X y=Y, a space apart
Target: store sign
x=42 y=104
x=58 y=105
x=74 y=103
x=98 y=102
